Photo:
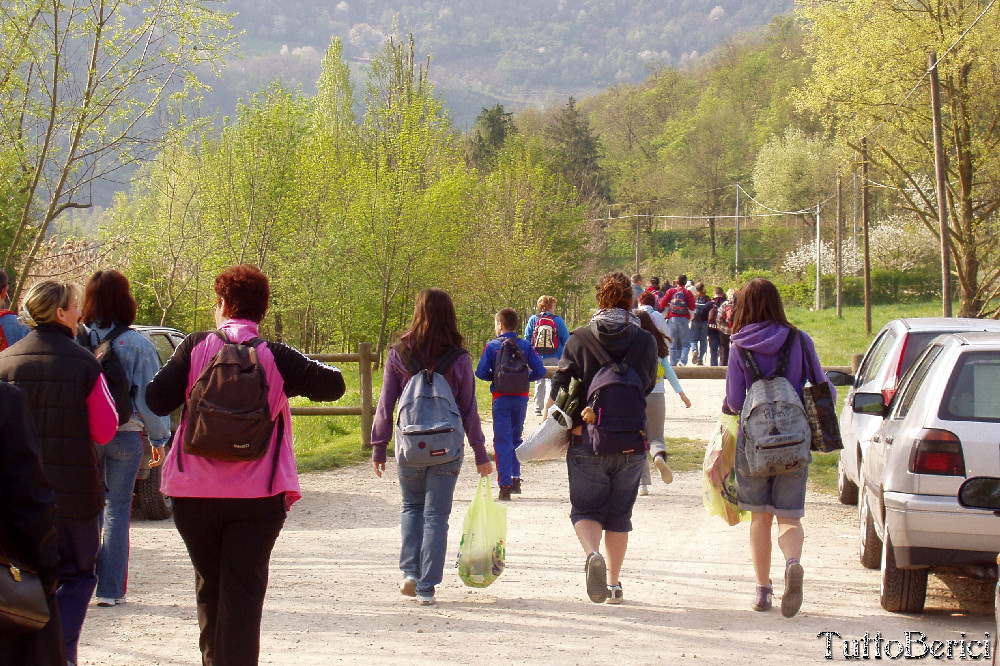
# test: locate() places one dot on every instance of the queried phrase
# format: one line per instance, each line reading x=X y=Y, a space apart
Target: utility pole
x=942 y=194
x=864 y=232
x=840 y=243
x=737 y=231
x=638 y=219
x=819 y=265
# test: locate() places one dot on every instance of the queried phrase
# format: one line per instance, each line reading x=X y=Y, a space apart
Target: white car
x=889 y=356
x=942 y=426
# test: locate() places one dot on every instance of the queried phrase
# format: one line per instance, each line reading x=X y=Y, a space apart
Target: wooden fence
x=367 y=408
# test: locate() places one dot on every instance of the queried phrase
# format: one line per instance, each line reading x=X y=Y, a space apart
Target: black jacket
x=577 y=361
x=57 y=376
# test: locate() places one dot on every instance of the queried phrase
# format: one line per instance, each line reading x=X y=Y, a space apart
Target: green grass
x=836 y=339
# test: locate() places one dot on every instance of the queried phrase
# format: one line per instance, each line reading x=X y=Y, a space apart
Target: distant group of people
x=70 y=453
x=698 y=327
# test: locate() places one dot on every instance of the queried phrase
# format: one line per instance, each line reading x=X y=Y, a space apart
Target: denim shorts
x=781 y=495
x=603 y=488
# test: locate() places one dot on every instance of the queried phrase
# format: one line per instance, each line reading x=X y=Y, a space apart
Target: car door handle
x=888 y=440
x=876 y=439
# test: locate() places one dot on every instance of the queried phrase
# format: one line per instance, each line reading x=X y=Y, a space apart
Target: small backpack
x=429 y=428
x=725 y=318
x=702 y=305
x=114 y=372
x=228 y=415
x=678 y=305
x=545 y=338
x=510 y=372
x=776 y=430
x=618 y=399
x=713 y=315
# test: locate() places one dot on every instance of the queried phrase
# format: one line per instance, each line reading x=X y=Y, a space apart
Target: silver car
x=889 y=356
x=942 y=426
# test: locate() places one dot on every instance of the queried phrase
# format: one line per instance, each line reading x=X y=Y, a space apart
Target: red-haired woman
x=427 y=491
x=108 y=312
x=230 y=513
x=760 y=328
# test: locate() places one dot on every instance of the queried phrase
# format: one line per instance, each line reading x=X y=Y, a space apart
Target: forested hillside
x=520 y=52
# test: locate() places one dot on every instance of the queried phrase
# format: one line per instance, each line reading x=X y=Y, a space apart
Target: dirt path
x=687 y=582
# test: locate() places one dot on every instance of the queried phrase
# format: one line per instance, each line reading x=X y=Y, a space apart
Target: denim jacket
x=138 y=357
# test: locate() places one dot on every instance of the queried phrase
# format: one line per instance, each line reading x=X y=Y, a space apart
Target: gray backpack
x=429 y=428
x=776 y=430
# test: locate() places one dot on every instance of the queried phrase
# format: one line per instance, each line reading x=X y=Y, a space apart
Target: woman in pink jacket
x=230 y=513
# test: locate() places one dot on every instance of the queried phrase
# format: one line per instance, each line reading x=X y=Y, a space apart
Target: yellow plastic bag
x=482 y=551
x=719 y=473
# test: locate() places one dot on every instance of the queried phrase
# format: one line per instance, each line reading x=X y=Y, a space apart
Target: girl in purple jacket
x=761 y=328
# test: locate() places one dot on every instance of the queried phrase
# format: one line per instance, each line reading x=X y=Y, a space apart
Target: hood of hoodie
x=616 y=330
x=765 y=337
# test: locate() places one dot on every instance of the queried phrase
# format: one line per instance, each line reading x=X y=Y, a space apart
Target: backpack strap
x=751 y=363
x=808 y=372
x=447 y=360
x=785 y=351
x=409 y=359
x=115 y=332
x=277 y=450
x=593 y=345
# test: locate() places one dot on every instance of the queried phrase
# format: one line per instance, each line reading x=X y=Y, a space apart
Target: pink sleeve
x=101 y=412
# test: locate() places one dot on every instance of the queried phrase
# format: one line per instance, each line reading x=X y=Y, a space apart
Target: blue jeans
x=680 y=331
x=120 y=459
x=699 y=340
x=508 y=426
x=427 y=494
x=713 y=345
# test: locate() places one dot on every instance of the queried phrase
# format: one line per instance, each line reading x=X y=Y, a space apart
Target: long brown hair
x=758 y=301
x=107 y=300
x=614 y=291
x=434 y=329
x=647 y=323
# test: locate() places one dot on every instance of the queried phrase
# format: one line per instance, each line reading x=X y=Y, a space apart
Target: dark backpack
x=545 y=337
x=228 y=415
x=618 y=399
x=429 y=429
x=702 y=305
x=678 y=305
x=114 y=372
x=510 y=372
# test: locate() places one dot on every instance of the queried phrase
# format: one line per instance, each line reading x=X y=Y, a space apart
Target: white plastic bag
x=550 y=440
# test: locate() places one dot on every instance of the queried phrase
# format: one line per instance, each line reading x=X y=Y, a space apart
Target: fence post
x=367 y=408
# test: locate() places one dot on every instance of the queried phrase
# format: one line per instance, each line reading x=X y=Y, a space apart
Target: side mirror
x=838 y=378
x=869 y=403
x=980 y=492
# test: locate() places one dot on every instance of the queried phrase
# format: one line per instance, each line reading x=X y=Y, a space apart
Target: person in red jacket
x=676 y=305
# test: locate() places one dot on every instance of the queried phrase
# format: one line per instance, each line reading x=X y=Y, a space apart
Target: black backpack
x=702 y=306
x=510 y=372
x=228 y=415
x=618 y=400
x=114 y=372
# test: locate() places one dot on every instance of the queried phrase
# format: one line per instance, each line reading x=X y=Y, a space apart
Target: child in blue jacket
x=509 y=408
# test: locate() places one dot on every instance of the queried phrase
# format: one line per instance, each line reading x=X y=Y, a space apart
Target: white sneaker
x=107 y=602
x=425 y=601
x=643 y=489
x=660 y=463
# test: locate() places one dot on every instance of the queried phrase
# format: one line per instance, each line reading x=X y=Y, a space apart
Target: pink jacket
x=202 y=477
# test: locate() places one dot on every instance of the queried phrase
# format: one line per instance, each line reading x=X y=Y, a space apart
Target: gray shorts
x=603 y=488
x=781 y=495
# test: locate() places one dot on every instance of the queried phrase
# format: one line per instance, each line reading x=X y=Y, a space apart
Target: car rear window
x=973 y=392
x=916 y=343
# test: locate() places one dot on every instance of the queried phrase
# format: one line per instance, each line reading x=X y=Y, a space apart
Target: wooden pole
x=867 y=267
x=840 y=243
x=819 y=265
x=942 y=194
x=367 y=403
x=638 y=220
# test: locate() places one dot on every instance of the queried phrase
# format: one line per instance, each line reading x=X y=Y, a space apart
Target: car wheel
x=871 y=546
x=152 y=503
x=901 y=590
x=847 y=490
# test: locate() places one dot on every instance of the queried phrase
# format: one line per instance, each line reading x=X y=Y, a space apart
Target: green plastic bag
x=484 y=539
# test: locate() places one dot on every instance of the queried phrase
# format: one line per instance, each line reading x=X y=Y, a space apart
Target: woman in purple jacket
x=760 y=327
x=427 y=491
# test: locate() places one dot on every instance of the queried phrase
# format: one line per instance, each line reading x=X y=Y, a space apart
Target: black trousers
x=230 y=542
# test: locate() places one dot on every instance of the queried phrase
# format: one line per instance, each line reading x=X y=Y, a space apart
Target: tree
x=491 y=129
x=795 y=172
x=867 y=57
x=577 y=153
x=80 y=81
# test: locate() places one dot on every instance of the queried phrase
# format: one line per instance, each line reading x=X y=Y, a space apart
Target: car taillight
x=937 y=452
x=896 y=363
